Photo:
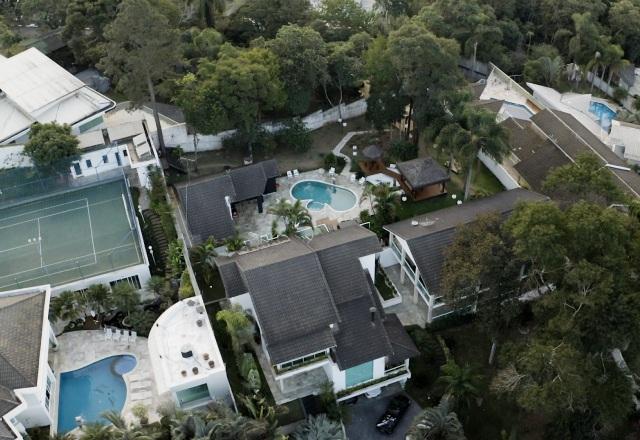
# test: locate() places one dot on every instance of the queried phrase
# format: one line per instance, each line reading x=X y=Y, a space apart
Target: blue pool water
x=321 y=194
x=92 y=390
x=603 y=112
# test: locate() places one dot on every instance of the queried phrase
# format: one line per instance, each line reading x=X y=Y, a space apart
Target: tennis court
x=69 y=236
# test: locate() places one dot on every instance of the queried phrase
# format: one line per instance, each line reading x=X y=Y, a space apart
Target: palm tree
x=292 y=215
x=384 y=203
x=450 y=139
x=551 y=69
x=97 y=298
x=121 y=431
x=462 y=383
x=65 y=307
x=96 y=431
x=437 y=423
x=192 y=427
x=203 y=258
x=318 y=428
x=125 y=297
x=483 y=134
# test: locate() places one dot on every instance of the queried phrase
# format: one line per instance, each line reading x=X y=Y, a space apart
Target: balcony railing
x=303 y=363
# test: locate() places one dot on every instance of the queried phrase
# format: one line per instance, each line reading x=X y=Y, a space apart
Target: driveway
x=364 y=415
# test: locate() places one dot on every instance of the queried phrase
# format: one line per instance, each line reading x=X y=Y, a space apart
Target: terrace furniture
x=116 y=335
x=289 y=175
x=296 y=173
x=108 y=334
x=332 y=171
x=132 y=336
x=352 y=178
x=362 y=180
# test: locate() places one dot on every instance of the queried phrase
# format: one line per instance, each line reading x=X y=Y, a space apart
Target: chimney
x=334 y=328
x=372 y=311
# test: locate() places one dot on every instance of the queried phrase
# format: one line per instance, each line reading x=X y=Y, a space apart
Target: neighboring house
x=417 y=246
x=208 y=204
x=26 y=379
x=33 y=88
x=547 y=131
x=625 y=139
x=125 y=144
x=185 y=357
x=318 y=314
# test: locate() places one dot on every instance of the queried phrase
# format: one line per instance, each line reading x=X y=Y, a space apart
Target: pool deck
x=81 y=348
x=252 y=224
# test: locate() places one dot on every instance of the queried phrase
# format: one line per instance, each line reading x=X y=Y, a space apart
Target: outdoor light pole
x=153 y=257
x=141 y=215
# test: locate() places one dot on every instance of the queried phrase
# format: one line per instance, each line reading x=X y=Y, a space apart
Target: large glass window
x=194 y=394
x=358 y=374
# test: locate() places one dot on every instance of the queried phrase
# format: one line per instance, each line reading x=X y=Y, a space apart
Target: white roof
x=36 y=89
x=177 y=330
x=90 y=139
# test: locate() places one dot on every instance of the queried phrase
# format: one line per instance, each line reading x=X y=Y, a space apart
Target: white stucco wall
x=141 y=270
x=368 y=262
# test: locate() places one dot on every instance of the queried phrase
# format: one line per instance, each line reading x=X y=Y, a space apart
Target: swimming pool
x=92 y=390
x=320 y=194
x=603 y=112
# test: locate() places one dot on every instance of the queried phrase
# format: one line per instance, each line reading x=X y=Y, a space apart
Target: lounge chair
x=332 y=171
x=132 y=336
x=362 y=180
x=289 y=175
x=352 y=178
x=296 y=173
x=116 y=335
x=108 y=334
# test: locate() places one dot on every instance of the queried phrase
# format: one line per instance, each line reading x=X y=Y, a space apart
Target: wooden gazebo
x=371 y=161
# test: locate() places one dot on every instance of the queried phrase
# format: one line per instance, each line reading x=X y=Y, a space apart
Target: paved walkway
x=408 y=311
x=337 y=150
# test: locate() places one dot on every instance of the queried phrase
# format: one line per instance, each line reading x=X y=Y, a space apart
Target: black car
x=396 y=408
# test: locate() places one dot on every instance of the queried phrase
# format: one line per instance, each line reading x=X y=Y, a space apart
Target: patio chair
x=332 y=171
x=116 y=335
x=289 y=175
x=352 y=178
x=132 y=336
x=296 y=173
x=362 y=180
x=108 y=334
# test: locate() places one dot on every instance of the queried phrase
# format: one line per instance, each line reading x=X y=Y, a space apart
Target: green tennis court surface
x=69 y=236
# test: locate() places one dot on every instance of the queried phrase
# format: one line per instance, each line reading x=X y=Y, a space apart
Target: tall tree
x=461 y=382
x=138 y=58
x=302 y=54
x=233 y=92
x=84 y=27
x=427 y=67
x=208 y=9
x=437 y=423
x=51 y=147
x=340 y=19
x=50 y=13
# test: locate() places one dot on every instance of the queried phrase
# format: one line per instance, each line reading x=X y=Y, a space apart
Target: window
x=118 y=160
x=193 y=394
x=134 y=281
x=77 y=169
x=300 y=361
x=105 y=158
x=88 y=162
x=358 y=374
x=124 y=153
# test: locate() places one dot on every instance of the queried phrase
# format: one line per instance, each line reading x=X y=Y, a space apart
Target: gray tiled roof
x=403 y=346
x=203 y=201
x=429 y=240
x=536 y=153
x=21 y=320
x=298 y=288
x=575 y=139
x=5 y=432
x=423 y=171
x=8 y=401
x=205 y=209
x=231 y=278
x=291 y=299
x=372 y=152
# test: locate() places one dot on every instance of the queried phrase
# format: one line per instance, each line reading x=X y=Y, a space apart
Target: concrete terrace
x=252 y=224
x=78 y=349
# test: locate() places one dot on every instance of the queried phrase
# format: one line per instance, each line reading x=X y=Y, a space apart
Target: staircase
x=159 y=240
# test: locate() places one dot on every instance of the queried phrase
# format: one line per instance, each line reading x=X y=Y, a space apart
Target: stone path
x=337 y=150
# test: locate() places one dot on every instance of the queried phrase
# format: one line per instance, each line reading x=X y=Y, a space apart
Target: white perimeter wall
x=499 y=171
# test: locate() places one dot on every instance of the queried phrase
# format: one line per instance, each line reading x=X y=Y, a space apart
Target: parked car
x=396 y=409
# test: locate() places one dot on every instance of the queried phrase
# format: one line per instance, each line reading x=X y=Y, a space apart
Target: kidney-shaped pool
x=320 y=194
x=92 y=390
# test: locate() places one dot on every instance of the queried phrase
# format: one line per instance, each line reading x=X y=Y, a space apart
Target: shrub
x=51 y=146
x=176 y=258
x=402 y=150
x=620 y=94
x=337 y=162
x=294 y=136
x=142 y=321
x=186 y=289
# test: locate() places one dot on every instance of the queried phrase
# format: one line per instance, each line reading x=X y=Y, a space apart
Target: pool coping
x=355 y=205
x=58 y=374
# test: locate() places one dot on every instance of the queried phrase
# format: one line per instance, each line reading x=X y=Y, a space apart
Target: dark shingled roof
x=423 y=171
x=491 y=105
x=8 y=401
x=575 y=139
x=536 y=153
x=5 y=432
x=372 y=152
x=403 y=346
x=434 y=232
x=21 y=318
x=314 y=284
x=203 y=201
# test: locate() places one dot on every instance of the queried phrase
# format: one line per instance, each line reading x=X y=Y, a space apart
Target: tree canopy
x=51 y=146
